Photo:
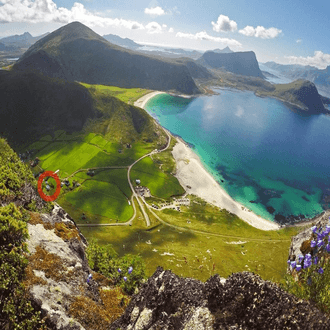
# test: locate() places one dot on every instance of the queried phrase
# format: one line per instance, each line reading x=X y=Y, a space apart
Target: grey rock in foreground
x=244 y=301
x=53 y=290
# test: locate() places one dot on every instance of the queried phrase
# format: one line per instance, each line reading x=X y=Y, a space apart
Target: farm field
x=189 y=254
x=161 y=184
x=103 y=197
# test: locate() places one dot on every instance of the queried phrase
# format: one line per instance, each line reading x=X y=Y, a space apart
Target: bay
x=266 y=156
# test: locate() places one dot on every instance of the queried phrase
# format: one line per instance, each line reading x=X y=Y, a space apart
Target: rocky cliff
x=243 y=301
x=242 y=63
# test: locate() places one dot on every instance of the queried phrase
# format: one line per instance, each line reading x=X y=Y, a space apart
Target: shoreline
x=142 y=101
x=191 y=172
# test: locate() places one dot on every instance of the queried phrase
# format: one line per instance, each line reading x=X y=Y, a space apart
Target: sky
x=283 y=31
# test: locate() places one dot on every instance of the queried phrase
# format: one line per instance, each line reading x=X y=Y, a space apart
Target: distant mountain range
x=76 y=53
x=123 y=42
x=321 y=78
x=24 y=40
x=223 y=51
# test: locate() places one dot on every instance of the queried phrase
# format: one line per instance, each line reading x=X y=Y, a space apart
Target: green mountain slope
x=75 y=52
x=300 y=93
x=33 y=105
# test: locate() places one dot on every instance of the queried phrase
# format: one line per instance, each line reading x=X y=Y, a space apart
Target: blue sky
x=283 y=31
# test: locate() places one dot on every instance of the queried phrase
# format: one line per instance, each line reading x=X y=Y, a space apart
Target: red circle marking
x=58 y=186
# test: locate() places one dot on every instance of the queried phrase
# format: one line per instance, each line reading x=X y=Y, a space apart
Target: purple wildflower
x=328 y=248
x=307 y=263
x=313 y=244
x=289 y=262
x=315 y=260
x=327 y=230
x=130 y=269
x=320 y=271
x=119 y=270
x=298 y=268
x=320 y=243
x=125 y=278
x=314 y=229
x=308 y=260
x=293 y=264
x=308 y=256
x=300 y=257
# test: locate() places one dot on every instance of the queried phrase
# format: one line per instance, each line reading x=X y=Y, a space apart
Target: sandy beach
x=141 y=102
x=191 y=172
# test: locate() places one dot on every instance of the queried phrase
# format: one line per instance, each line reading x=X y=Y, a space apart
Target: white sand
x=141 y=102
x=191 y=172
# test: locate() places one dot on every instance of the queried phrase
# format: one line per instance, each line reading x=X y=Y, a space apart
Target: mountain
x=226 y=50
x=77 y=53
x=300 y=93
x=24 y=40
x=321 y=78
x=196 y=70
x=33 y=105
x=116 y=40
x=242 y=63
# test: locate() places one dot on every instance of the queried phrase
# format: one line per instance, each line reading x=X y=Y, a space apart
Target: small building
x=138 y=181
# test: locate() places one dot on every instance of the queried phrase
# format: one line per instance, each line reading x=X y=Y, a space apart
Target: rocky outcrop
x=57 y=276
x=58 y=268
x=243 y=301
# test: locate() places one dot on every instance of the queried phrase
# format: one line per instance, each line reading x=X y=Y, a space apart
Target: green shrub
x=16 y=310
x=103 y=259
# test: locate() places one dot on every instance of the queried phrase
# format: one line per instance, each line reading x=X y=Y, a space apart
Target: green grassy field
x=129 y=95
x=160 y=184
x=194 y=255
x=103 y=197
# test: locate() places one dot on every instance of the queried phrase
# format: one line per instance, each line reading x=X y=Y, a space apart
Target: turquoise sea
x=272 y=159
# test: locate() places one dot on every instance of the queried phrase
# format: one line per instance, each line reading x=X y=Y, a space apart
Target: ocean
x=273 y=160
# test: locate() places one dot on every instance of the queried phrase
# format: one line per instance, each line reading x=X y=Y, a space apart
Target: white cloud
x=240 y=112
x=204 y=36
x=224 y=24
x=154 y=27
x=171 y=30
x=319 y=60
x=156 y=11
x=260 y=32
x=298 y=41
x=46 y=11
